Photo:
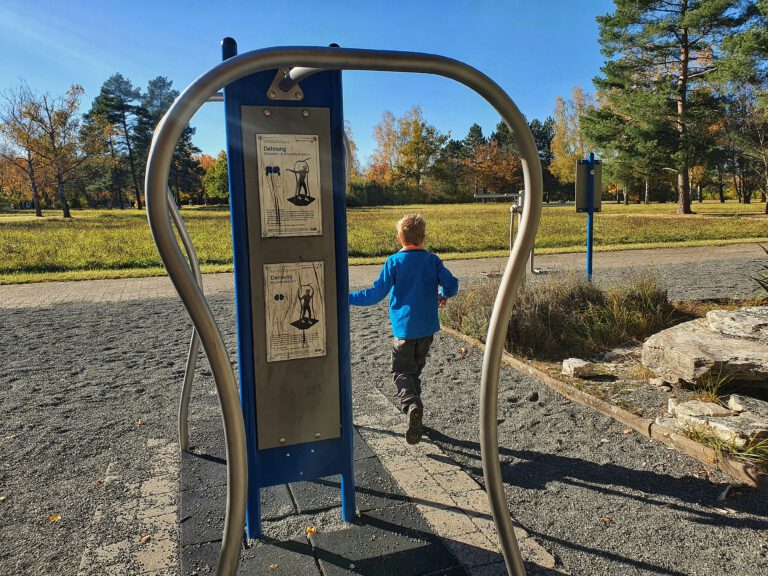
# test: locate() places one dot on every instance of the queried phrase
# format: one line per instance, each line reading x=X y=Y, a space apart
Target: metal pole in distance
x=590 y=210
x=164 y=141
x=512 y=212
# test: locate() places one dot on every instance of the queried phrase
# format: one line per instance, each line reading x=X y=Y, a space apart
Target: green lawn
x=117 y=243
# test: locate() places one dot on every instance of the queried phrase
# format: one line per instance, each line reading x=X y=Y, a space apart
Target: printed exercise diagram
x=295 y=310
x=289 y=184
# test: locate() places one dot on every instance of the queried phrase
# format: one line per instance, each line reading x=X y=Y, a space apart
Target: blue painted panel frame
x=314 y=459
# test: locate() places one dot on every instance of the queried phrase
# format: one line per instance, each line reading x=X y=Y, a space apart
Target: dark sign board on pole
x=582 y=175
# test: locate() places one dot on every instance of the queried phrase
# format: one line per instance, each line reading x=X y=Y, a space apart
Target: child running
x=417 y=284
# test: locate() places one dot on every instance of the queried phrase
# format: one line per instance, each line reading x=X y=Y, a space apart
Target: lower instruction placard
x=294 y=296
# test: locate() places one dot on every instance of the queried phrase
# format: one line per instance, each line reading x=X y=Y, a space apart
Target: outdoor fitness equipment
x=515 y=211
x=256 y=107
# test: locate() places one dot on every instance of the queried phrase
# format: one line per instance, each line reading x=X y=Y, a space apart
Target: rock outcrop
x=727 y=344
x=749 y=322
x=743 y=422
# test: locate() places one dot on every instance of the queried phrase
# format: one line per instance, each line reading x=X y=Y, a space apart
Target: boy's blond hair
x=412 y=229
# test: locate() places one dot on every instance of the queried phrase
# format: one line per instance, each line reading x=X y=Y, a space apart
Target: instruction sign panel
x=289 y=185
x=295 y=310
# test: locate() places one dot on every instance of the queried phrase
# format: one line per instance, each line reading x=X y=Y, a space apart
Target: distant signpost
x=588 y=180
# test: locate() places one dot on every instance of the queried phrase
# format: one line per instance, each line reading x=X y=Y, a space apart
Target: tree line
x=679 y=112
x=52 y=156
x=414 y=162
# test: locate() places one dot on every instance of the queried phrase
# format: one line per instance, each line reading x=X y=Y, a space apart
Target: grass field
x=117 y=243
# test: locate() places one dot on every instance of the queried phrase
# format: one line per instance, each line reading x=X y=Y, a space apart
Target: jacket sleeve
x=448 y=282
x=378 y=291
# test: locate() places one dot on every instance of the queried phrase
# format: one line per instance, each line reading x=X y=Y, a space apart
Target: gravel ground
x=77 y=377
x=74 y=382
x=604 y=502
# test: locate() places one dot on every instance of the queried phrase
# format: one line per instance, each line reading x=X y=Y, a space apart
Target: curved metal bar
x=194 y=344
x=186 y=391
x=513 y=210
x=164 y=141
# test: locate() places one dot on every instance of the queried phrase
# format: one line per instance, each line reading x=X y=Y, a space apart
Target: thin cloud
x=54 y=39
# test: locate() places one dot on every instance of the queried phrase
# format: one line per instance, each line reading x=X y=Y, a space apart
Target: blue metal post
x=320 y=458
x=347 y=465
x=244 y=316
x=590 y=210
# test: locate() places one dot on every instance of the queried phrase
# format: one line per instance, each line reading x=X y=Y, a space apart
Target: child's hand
x=441 y=300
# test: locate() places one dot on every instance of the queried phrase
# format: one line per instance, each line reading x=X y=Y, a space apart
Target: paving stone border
x=455 y=506
x=418 y=512
x=738 y=470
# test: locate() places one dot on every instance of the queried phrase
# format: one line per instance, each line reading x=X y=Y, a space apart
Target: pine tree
x=666 y=48
x=118 y=101
x=743 y=85
x=633 y=139
x=473 y=139
x=449 y=173
x=185 y=173
x=473 y=142
x=503 y=138
x=543 y=133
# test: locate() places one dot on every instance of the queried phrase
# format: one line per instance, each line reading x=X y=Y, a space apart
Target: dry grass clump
x=566 y=315
x=754 y=453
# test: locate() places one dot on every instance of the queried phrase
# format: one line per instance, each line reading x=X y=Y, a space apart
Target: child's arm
x=377 y=292
x=448 y=282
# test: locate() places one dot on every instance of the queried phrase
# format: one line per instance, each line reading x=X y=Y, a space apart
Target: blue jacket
x=411 y=279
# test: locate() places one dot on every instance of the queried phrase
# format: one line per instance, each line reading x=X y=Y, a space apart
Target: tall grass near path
x=565 y=315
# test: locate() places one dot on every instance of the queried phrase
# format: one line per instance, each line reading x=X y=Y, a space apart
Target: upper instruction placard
x=289 y=185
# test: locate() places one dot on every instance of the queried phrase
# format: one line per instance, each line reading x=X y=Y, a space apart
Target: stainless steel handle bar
x=164 y=141
x=296 y=75
x=194 y=344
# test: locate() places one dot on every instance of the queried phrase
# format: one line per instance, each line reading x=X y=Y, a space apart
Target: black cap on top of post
x=228 y=48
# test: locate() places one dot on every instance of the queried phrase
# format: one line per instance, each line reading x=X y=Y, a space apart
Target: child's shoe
x=415 y=427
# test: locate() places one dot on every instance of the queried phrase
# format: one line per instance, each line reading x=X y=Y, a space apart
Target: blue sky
x=535 y=50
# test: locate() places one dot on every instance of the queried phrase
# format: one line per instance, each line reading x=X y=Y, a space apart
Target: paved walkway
x=719 y=260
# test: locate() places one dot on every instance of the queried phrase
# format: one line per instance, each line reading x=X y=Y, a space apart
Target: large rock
x=736 y=429
x=749 y=322
x=697 y=408
x=741 y=429
x=691 y=351
x=752 y=408
x=578 y=368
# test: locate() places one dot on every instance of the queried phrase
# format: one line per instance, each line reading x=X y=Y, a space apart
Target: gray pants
x=408 y=359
